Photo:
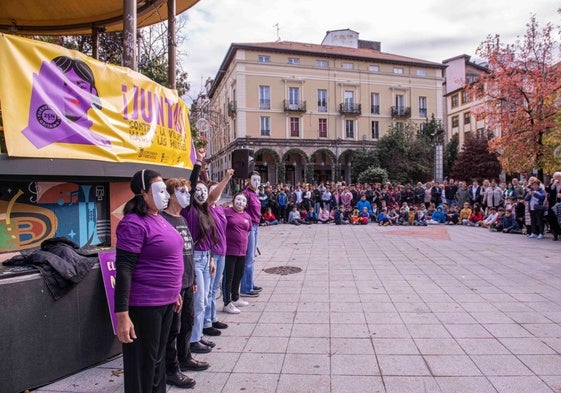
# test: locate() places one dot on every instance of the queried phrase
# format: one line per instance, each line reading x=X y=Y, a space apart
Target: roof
x=67 y=17
x=326 y=51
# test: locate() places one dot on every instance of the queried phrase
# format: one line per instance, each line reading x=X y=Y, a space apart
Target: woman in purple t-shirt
x=237 y=230
x=149 y=262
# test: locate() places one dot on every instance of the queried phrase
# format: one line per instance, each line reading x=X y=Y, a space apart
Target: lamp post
x=438 y=153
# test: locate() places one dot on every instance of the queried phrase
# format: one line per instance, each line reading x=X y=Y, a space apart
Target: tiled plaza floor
x=386 y=309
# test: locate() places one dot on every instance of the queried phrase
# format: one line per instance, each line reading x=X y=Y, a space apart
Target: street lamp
x=438 y=153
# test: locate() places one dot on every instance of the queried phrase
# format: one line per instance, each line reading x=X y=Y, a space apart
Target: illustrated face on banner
x=201 y=193
x=255 y=181
x=159 y=194
x=240 y=203
x=62 y=94
x=183 y=197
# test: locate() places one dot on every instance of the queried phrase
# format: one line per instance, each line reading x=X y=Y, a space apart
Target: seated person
x=294 y=217
x=491 y=218
x=364 y=216
x=393 y=216
x=355 y=217
x=429 y=210
x=507 y=223
x=362 y=203
x=340 y=216
x=419 y=217
x=383 y=219
x=437 y=217
x=403 y=215
x=269 y=217
x=452 y=215
x=324 y=216
x=311 y=216
x=475 y=217
x=465 y=213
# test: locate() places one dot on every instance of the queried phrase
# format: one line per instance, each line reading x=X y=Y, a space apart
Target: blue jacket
x=438 y=215
x=362 y=204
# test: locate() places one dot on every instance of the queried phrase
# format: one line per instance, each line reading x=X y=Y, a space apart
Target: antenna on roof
x=278 y=31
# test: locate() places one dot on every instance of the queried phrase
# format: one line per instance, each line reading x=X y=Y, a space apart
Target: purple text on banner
x=109 y=273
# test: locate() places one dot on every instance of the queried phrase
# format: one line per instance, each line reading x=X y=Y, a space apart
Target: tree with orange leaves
x=520 y=97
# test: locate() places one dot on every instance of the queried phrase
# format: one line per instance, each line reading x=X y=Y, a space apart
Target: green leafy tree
x=475 y=161
x=404 y=154
x=362 y=160
x=451 y=153
x=373 y=174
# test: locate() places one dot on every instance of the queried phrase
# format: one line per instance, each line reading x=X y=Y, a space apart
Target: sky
x=432 y=30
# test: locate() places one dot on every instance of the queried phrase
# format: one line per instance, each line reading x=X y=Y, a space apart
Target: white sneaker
x=240 y=303
x=540 y=236
x=532 y=236
x=231 y=309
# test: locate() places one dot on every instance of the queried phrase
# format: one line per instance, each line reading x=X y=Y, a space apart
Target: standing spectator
x=535 y=196
x=419 y=194
x=436 y=194
x=475 y=193
x=450 y=192
x=553 y=197
x=517 y=189
x=282 y=201
x=326 y=198
x=462 y=195
x=248 y=287
x=428 y=195
x=149 y=262
x=493 y=196
x=346 y=198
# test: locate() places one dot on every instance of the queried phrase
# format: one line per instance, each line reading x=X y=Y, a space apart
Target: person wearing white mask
x=203 y=229
x=238 y=227
x=149 y=263
x=248 y=287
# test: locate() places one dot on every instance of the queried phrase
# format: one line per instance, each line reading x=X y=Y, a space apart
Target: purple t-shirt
x=217 y=212
x=237 y=230
x=253 y=205
x=158 y=273
x=192 y=217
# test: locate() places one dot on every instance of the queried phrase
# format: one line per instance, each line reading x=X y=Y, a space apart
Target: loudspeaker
x=242 y=163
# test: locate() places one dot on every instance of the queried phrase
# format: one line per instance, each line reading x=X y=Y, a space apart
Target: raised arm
x=214 y=195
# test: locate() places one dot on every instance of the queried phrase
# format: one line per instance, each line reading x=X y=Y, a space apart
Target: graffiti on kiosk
x=33 y=212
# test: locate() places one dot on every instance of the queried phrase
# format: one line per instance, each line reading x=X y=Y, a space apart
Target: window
x=265 y=126
x=349 y=128
x=481 y=132
x=455 y=121
x=399 y=125
x=349 y=98
x=322 y=127
x=295 y=126
x=421 y=72
x=423 y=106
x=454 y=101
x=398 y=70
x=293 y=97
x=375 y=129
x=264 y=97
x=422 y=127
x=400 y=103
x=467 y=118
x=465 y=97
x=375 y=103
x=374 y=68
x=264 y=59
x=322 y=100
x=293 y=60
x=322 y=63
x=348 y=66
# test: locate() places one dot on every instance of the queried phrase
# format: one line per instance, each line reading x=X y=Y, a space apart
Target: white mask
x=240 y=202
x=201 y=193
x=183 y=197
x=159 y=194
x=255 y=181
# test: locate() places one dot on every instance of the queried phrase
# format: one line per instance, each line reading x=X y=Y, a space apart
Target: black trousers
x=536 y=220
x=144 y=358
x=233 y=273
x=177 y=348
x=553 y=223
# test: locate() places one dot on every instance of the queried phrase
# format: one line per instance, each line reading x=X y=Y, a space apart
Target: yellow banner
x=59 y=103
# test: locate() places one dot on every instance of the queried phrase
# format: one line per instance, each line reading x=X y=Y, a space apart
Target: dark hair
x=253 y=173
x=81 y=69
x=140 y=181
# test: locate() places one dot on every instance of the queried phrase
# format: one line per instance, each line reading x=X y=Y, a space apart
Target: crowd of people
x=177 y=248
x=525 y=207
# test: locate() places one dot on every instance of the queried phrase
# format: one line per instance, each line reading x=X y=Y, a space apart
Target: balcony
x=232 y=109
x=294 y=107
x=350 y=109
x=401 y=111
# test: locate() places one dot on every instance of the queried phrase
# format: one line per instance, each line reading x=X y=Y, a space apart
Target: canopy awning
x=70 y=17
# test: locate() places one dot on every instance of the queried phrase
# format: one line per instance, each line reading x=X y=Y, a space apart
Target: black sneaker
x=249 y=294
x=219 y=325
x=180 y=380
x=211 y=331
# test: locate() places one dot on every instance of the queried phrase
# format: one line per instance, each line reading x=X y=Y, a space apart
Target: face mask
x=183 y=197
x=240 y=202
x=159 y=194
x=255 y=181
x=201 y=193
